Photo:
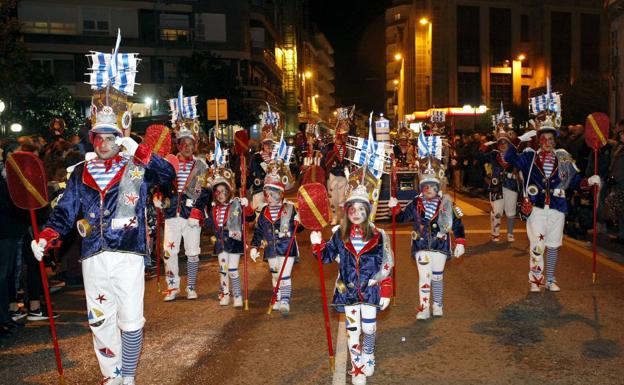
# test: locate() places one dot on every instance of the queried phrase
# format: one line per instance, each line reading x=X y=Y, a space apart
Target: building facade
x=470 y=52
x=317 y=79
x=615 y=10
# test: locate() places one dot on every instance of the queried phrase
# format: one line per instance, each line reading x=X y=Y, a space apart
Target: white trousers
x=507 y=205
x=544 y=230
x=176 y=229
x=361 y=319
x=430 y=267
x=275 y=266
x=228 y=269
x=114 y=286
x=337 y=190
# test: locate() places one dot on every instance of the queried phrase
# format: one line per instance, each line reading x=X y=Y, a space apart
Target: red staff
x=27 y=183
x=241 y=146
x=314 y=215
x=279 y=277
x=596 y=134
x=393 y=194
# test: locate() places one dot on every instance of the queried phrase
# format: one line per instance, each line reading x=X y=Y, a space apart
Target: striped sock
x=285 y=289
x=191 y=273
x=369 y=343
x=368 y=329
x=551 y=263
x=130 y=350
x=437 y=285
x=236 y=285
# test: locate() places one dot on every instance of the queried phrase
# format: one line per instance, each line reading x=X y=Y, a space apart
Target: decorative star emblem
x=386 y=267
x=171 y=282
x=169 y=273
x=117 y=371
x=136 y=173
x=169 y=291
x=357 y=359
x=421 y=308
x=425 y=299
x=541 y=237
x=353 y=311
x=130 y=199
x=370 y=362
x=539 y=281
x=171 y=245
x=357 y=370
x=101 y=298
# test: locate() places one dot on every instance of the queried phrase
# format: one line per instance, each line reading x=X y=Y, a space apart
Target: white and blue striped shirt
x=431 y=205
x=97 y=169
x=357 y=242
x=221 y=215
x=274 y=211
x=548 y=162
x=183 y=173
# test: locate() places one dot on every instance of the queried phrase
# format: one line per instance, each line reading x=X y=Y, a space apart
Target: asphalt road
x=493 y=331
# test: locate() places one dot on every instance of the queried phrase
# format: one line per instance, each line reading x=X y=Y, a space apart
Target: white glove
x=372 y=282
x=384 y=302
x=193 y=222
x=459 y=250
x=393 y=202
x=594 y=180
x=527 y=136
x=128 y=143
x=158 y=203
x=90 y=156
x=38 y=248
x=244 y=202
x=316 y=238
x=254 y=254
x=489 y=143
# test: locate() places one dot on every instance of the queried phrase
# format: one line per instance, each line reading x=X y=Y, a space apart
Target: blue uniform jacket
x=272 y=232
x=233 y=215
x=332 y=161
x=542 y=190
x=83 y=198
x=502 y=173
x=425 y=231
x=255 y=180
x=180 y=202
x=374 y=261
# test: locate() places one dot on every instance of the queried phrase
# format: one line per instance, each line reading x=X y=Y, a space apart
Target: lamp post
x=148 y=102
x=2 y=107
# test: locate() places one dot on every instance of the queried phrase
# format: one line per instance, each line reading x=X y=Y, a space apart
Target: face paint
x=547 y=142
x=357 y=213
x=186 y=147
x=502 y=145
x=430 y=190
x=222 y=194
x=266 y=147
x=273 y=196
x=104 y=146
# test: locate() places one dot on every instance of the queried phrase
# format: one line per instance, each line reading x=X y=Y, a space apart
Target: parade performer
x=403 y=152
x=503 y=183
x=259 y=162
x=110 y=193
x=434 y=218
x=226 y=220
x=275 y=225
x=364 y=283
x=187 y=192
x=547 y=174
x=336 y=161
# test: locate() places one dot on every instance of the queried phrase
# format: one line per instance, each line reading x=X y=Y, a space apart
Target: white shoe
x=284 y=308
x=437 y=310
x=112 y=381
x=238 y=301
x=276 y=305
x=360 y=379
x=553 y=286
x=225 y=300
x=171 y=295
x=423 y=314
x=535 y=288
x=191 y=293
x=495 y=238
x=129 y=381
x=369 y=364
x=511 y=238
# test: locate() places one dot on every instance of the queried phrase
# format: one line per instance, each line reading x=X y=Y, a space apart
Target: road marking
x=468 y=209
x=600 y=257
x=472 y=231
x=340 y=368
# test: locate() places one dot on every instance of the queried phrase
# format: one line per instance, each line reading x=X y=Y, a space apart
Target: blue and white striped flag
x=429 y=146
x=117 y=69
x=282 y=151
x=438 y=116
x=370 y=153
x=269 y=117
x=219 y=155
x=550 y=101
x=183 y=107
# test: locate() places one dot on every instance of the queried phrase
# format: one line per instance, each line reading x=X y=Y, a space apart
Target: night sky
x=356 y=31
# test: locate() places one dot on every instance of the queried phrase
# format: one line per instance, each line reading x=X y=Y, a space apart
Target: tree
x=209 y=77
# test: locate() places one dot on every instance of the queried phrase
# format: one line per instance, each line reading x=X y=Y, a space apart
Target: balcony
x=267 y=59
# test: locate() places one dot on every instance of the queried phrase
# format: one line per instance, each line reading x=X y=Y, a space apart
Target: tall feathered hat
x=547 y=110
x=404 y=133
x=430 y=170
x=269 y=121
x=184 y=118
x=344 y=116
x=112 y=79
x=436 y=122
x=502 y=123
x=276 y=177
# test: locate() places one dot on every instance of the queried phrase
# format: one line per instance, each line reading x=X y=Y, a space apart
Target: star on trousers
x=101 y=298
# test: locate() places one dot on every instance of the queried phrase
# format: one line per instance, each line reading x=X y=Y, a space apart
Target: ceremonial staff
x=27 y=184
x=393 y=194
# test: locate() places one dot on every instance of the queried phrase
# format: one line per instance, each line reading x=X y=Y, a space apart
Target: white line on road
x=340 y=368
x=472 y=231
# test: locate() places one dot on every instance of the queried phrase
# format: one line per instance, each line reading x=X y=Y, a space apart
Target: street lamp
x=521 y=57
x=308 y=74
x=16 y=127
x=148 y=102
x=395 y=81
x=398 y=56
x=2 y=106
x=423 y=21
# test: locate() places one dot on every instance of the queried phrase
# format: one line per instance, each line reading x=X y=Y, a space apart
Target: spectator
x=614 y=202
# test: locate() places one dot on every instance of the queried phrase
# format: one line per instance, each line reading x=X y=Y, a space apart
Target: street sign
x=596 y=130
x=217 y=109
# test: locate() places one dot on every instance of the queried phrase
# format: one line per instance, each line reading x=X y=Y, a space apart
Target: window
x=468 y=29
x=43 y=64
x=61 y=69
x=561 y=46
x=524 y=96
x=257 y=37
x=210 y=27
x=95 y=21
x=174 y=27
x=500 y=36
x=500 y=89
x=524 y=28
x=590 y=42
x=58 y=20
x=469 y=88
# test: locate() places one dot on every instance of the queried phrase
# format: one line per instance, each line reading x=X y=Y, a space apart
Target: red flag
x=313 y=206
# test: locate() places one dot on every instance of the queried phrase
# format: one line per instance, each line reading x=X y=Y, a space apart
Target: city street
x=493 y=331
